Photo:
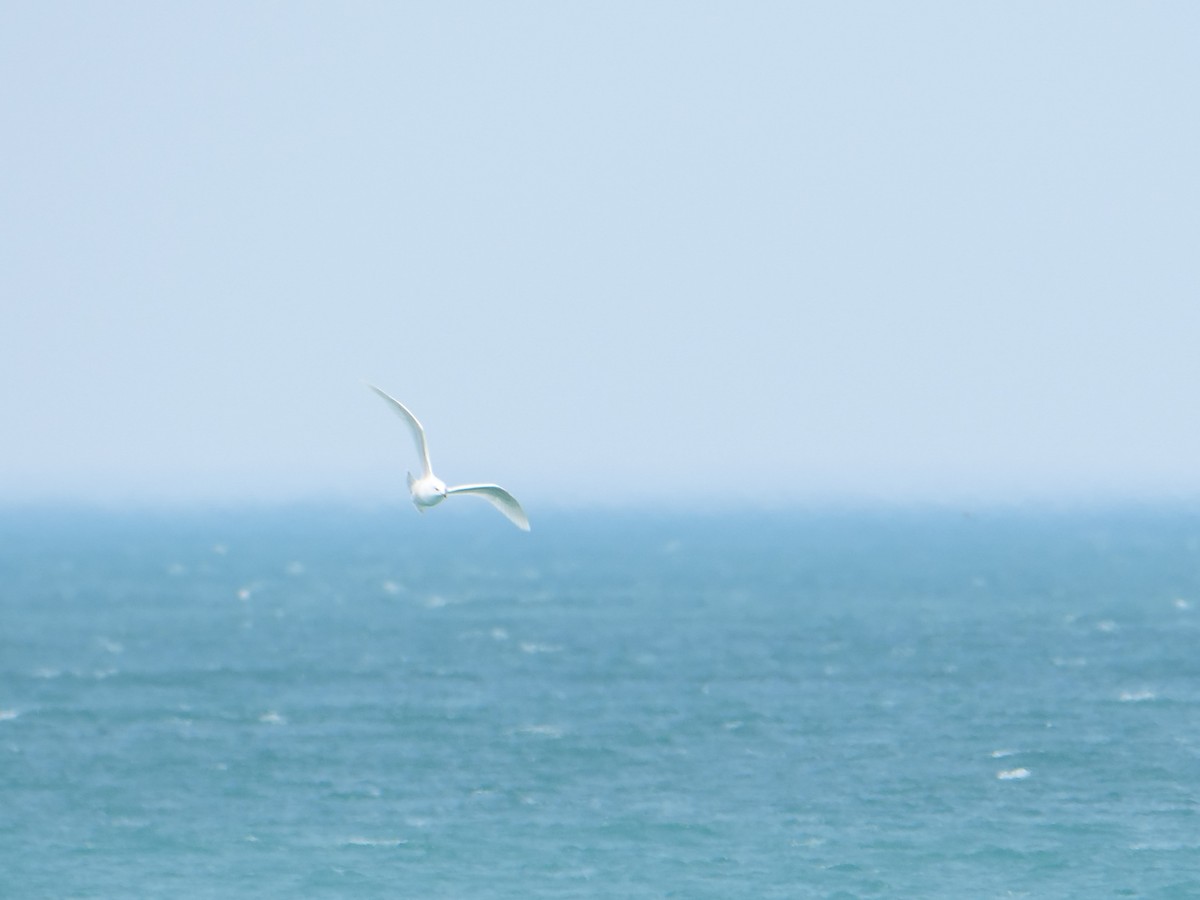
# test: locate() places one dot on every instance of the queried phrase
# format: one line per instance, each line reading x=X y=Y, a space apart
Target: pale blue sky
x=734 y=251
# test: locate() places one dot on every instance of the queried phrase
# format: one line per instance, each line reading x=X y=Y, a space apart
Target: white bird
x=429 y=490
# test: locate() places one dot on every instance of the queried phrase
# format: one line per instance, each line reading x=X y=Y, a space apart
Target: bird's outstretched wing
x=414 y=426
x=499 y=498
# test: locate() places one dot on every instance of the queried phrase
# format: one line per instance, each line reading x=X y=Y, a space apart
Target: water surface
x=311 y=702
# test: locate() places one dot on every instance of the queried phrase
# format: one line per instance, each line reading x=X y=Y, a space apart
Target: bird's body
x=429 y=490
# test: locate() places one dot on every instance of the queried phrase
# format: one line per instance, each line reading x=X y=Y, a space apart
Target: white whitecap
x=373 y=842
x=531 y=647
x=1135 y=696
x=550 y=731
x=1013 y=774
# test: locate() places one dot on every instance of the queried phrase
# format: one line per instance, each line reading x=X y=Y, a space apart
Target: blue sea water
x=337 y=703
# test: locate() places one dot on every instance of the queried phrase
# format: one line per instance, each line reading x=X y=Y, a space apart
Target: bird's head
x=428 y=491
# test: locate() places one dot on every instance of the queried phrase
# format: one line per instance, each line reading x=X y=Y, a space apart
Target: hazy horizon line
x=695 y=504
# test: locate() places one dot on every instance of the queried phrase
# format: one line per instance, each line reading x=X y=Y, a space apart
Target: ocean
x=320 y=702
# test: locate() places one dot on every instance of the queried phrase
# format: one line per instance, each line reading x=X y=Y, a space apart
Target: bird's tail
x=411 y=482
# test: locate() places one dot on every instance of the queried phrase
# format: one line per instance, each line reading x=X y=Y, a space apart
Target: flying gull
x=429 y=490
